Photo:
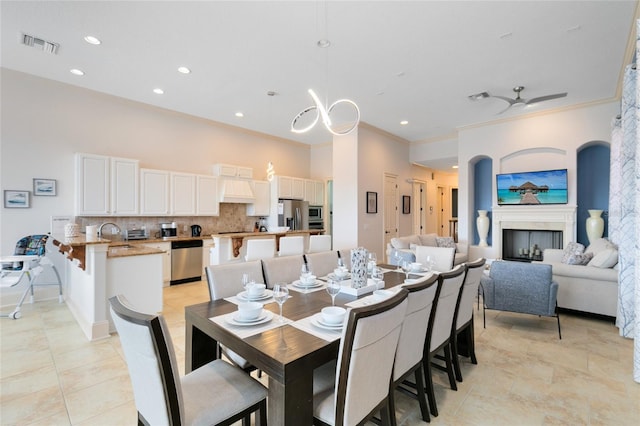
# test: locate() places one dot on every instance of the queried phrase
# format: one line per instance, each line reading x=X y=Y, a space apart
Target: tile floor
x=51 y=375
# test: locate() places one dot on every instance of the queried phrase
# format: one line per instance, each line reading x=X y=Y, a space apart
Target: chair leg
x=449 y=364
x=559 y=333
x=261 y=414
x=385 y=415
x=422 y=397
x=431 y=395
x=471 y=341
x=455 y=356
x=391 y=402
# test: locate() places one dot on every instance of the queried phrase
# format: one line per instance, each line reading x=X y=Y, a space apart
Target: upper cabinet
x=183 y=194
x=290 y=187
x=262 y=204
x=207 y=196
x=230 y=170
x=154 y=189
x=314 y=192
x=106 y=186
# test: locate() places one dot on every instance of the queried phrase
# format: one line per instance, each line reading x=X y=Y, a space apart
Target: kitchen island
x=227 y=247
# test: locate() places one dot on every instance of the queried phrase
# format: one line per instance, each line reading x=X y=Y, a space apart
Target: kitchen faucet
x=108 y=223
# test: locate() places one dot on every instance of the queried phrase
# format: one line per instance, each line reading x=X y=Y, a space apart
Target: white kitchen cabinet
x=290 y=187
x=183 y=194
x=297 y=188
x=106 y=186
x=207 y=196
x=154 y=192
x=314 y=192
x=231 y=170
x=166 y=260
x=319 y=201
x=207 y=244
x=262 y=204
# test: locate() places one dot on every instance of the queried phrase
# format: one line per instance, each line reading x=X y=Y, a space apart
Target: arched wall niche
x=592 y=184
x=481 y=196
x=520 y=161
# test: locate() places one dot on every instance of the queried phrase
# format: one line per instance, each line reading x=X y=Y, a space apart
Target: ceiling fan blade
x=504 y=98
x=545 y=98
x=504 y=110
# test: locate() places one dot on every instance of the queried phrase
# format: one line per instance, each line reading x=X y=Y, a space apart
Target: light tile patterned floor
x=51 y=375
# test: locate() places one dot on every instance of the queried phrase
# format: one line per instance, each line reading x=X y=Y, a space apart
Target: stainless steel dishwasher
x=186 y=261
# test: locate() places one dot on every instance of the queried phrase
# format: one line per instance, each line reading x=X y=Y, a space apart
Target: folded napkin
x=306 y=325
x=244 y=331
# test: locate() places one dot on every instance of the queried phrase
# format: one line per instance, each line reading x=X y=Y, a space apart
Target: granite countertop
x=259 y=234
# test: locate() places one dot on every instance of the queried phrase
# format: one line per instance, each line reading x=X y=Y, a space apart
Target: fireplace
x=544 y=226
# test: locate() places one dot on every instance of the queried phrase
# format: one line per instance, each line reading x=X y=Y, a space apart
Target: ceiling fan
x=524 y=102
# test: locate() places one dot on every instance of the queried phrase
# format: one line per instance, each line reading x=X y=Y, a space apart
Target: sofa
x=587 y=277
x=406 y=247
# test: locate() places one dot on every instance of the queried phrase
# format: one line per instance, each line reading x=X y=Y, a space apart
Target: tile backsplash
x=233 y=217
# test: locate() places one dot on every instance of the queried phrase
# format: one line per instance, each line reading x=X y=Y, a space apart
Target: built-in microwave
x=315 y=214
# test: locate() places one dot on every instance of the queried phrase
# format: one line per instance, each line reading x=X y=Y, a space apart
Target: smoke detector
x=38 y=43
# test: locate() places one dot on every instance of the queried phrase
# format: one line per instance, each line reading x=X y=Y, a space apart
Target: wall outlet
x=185 y=228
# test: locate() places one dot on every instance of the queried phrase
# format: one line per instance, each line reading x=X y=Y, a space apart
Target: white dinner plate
x=334 y=277
x=265 y=316
x=267 y=294
x=298 y=284
x=317 y=321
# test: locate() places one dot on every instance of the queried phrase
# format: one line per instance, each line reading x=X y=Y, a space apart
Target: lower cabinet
x=166 y=260
x=207 y=244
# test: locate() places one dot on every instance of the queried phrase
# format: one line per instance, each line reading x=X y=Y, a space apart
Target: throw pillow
x=607 y=258
x=579 y=259
x=399 y=243
x=447 y=242
x=600 y=244
x=428 y=240
x=572 y=249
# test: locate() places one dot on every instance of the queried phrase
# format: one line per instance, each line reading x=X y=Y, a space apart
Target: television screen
x=543 y=187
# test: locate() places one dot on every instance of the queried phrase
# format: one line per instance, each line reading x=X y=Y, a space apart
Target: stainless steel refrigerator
x=294 y=214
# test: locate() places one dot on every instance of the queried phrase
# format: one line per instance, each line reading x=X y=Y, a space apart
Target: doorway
x=390 y=208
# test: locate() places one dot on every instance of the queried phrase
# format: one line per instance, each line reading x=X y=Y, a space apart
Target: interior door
x=390 y=209
x=418 y=208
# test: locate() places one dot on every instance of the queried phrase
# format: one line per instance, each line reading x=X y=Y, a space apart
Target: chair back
x=260 y=248
x=442 y=256
x=322 y=263
x=291 y=245
x=226 y=280
x=32 y=245
x=420 y=301
x=318 y=243
x=151 y=363
x=475 y=271
x=282 y=269
x=365 y=358
x=445 y=309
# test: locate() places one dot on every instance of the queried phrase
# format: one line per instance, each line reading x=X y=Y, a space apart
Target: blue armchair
x=520 y=287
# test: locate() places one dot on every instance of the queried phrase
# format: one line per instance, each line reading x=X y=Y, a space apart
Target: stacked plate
x=318 y=322
x=313 y=284
x=265 y=316
x=265 y=295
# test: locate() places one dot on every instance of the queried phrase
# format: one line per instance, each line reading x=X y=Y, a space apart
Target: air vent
x=38 y=43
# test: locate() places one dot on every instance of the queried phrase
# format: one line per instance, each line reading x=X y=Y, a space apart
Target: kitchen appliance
x=263 y=225
x=168 y=230
x=196 y=230
x=136 y=234
x=294 y=214
x=316 y=220
x=186 y=261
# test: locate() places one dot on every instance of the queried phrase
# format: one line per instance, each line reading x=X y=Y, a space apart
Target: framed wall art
x=44 y=187
x=372 y=202
x=406 y=204
x=14 y=199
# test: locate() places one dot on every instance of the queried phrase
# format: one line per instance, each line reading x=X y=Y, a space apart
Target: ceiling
x=416 y=60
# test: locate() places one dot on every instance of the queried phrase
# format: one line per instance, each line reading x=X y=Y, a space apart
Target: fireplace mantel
x=551 y=218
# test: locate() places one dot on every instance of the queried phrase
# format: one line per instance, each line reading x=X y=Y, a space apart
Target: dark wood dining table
x=288 y=355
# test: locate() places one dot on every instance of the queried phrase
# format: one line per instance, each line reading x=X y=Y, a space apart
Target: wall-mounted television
x=530 y=188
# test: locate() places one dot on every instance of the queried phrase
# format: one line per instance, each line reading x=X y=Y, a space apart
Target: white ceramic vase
x=482 y=224
x=595 y=225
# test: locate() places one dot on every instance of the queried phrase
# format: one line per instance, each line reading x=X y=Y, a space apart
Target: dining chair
x=363 y=370
x=442 y=257
x=464 y=318
x=318 y=243
x=291 y=245
x=439 y=332
x=282 y=269
x=260 y=248
x=322 y=263
x=217 y=393
x=410 y=351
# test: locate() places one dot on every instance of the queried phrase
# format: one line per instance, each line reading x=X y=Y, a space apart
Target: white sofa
x=406 y=247
x=589 y=288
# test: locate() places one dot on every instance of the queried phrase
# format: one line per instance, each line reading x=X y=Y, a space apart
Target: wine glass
x=377 y=276
x=429 y=263
x=245 y=280
x=373 y=260
x=280 y=295
x=406 y=268
x=398 y=258
x=340 y=262
x=333 y=288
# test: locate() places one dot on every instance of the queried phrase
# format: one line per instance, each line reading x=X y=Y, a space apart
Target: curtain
x=624 y=208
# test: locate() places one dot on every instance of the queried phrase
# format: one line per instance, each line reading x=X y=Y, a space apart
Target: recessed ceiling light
x=92 y=40
x=76 y=71
x=239 y=114
x=184 y=70
x=404 y=122
x=158 y=91
x=324 y=43
x=454 y=167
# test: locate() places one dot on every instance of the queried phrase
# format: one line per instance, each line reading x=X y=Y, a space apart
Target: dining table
x=287 y=352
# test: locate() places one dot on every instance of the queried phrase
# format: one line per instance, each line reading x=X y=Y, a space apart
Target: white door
x=390 y=209
x=418 y=209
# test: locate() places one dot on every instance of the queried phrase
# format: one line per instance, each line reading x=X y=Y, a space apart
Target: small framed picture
x=406 y=204
x=16 y=199
x=372 y=202
x=44 y=187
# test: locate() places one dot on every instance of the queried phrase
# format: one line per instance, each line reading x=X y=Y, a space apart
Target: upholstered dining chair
x=363 y=371
x=319 y=243
x=443 y=257
x=464 y=318
x=260 y=248
x=282 y=269
x=291 y=245
x=409 y=354
x=217 y=393
x=322 y=263
x=439 y=332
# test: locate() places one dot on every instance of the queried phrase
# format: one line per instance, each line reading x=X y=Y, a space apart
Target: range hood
x=236 y=191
